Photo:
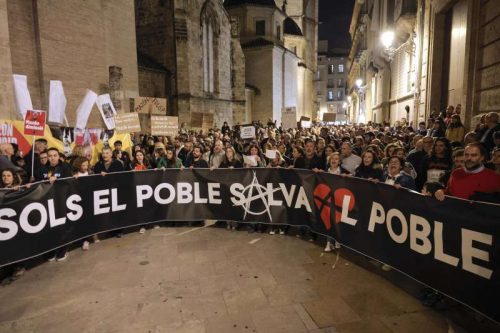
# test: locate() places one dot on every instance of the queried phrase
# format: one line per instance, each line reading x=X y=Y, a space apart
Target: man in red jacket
x=473 y=177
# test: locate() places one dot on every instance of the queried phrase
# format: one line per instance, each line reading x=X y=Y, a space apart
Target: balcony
x=405 y=14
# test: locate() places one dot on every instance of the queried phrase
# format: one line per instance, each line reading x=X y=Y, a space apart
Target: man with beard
x=197 y=160
x=473 y=177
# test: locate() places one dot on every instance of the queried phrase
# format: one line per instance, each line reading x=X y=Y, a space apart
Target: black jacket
x=61 y=170
x=115 y=166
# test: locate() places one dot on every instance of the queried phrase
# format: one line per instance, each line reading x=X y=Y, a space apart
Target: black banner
x=452 y=246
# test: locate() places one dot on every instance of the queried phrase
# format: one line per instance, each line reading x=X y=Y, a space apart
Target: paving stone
x=208 y=280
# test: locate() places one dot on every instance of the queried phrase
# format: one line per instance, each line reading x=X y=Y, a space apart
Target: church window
x=209 y=32
x=260 y=27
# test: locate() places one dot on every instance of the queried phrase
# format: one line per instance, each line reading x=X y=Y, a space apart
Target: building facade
x=331 y=82
x=442 y=52
x=278 y=41
x=213 y=60
x=72 y=41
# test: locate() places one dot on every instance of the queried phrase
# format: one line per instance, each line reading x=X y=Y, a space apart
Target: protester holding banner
x=10 y=179
x=173 y=162
x=54 y=169
x=439 y=161
x=349 y=161
x=370 y=167
x=335 y=166
x=140 y=161
x=395 y=175
x=474 y=179
x=231 y=159
x=107 y=164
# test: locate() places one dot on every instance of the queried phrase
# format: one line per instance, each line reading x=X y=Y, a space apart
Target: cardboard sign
x=289 y=118
x=127 y=123
x=329 y=117
x=247 y=132
x=34 y=122
x=164 y=125
x=149 y=105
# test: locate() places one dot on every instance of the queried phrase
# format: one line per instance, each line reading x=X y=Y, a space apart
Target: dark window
x=331 y=69
x=260 y=28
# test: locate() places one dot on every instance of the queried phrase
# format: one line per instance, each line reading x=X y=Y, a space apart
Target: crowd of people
x=437 y=158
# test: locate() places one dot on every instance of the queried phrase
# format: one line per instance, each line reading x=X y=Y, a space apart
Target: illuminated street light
x=387 y=38
x=349 y=99
x=359 y=82
x=344 y=105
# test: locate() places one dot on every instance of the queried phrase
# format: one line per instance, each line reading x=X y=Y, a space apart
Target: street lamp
x=387 y=38
x=359 y=82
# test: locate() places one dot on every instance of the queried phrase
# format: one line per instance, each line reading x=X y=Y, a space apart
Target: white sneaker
x=386 y=268
x=96 y=239
x=337 y=245
x=282 y=232
x=53 y=258
x=272 y=232
x=85 y=246
x=142 y=230
x=328 y=247
x=156 y=226
x=64 y=257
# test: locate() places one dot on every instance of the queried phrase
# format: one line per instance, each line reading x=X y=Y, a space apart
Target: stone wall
x=260 y=75
x=75 y=42
x=7 y=108
x=487 y=88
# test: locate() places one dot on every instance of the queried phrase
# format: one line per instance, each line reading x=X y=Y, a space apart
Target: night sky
x=335 y=18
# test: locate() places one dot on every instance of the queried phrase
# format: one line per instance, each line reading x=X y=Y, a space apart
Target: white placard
x=57 y=102
x=271 y=154
x=84 y=109
x=289 y=118
x=22 y=94
x=248 y=132
x=250 y=160
x=305 y=124
x=107 y=109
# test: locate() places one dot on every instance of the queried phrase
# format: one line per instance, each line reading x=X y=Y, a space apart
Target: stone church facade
x=192 y=52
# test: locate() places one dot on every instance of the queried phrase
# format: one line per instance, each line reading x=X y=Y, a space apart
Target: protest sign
x=329 y=117
x=127 y=123
x=107 y=109
x=84 y=109
x=271 y=154
x=289 y=118
x=247 y=132
x=164 y=125
x=149 y=105
x=57 y=103
x=22 y=94
x=34 y=122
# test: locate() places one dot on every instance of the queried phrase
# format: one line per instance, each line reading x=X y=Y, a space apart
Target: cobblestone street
x=209 y=280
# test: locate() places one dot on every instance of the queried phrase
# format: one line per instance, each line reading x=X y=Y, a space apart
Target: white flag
x=57 y=102
x=107 y=109
x=84 y=109
x=22 y=94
